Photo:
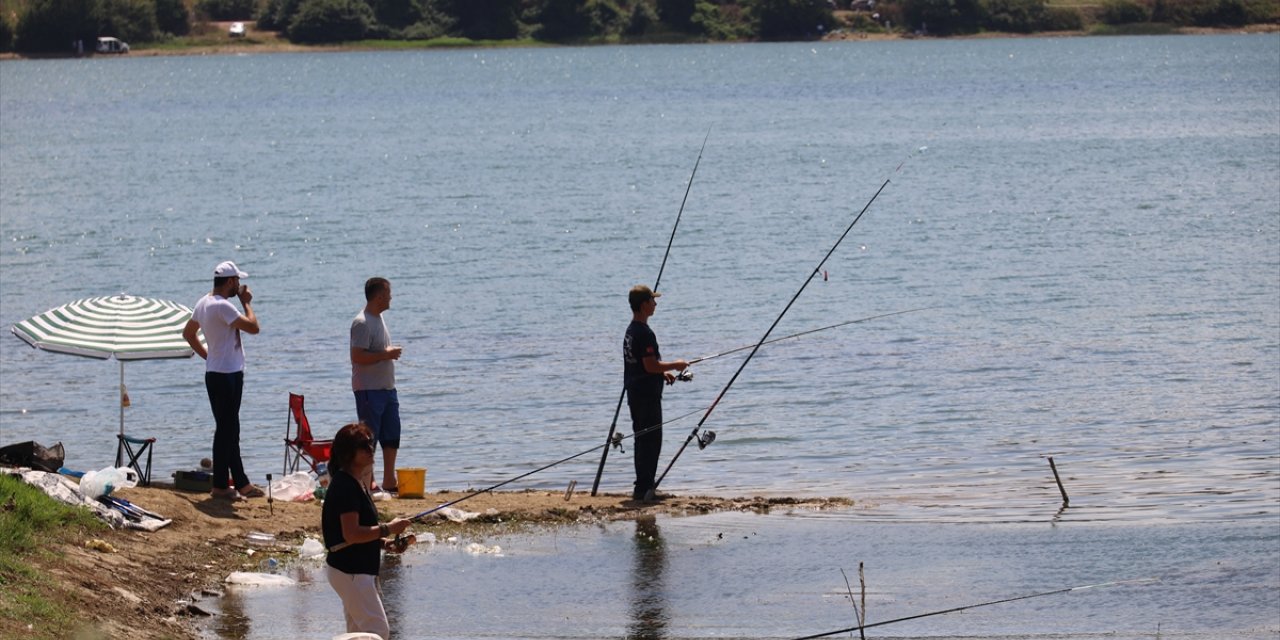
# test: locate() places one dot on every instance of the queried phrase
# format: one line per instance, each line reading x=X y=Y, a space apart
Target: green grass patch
x=1133 y=29
x=190 y=42
x=442 y=43
x=32 y=527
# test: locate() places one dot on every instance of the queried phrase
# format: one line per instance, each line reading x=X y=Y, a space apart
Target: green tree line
x=960 y=17
x=53 y=25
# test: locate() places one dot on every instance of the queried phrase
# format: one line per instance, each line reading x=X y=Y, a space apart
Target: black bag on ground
x=32 y=454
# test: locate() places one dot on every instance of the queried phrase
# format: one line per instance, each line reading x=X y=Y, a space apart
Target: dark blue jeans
x=225 y=390
x=646 y=413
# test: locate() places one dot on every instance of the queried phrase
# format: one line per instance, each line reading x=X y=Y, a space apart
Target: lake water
x=739 y=575
x=1096 y=222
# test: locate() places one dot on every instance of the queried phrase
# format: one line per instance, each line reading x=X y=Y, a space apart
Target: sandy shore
x=152 y=585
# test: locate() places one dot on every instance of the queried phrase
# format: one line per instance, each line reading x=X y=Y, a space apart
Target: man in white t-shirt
x=373 y=375
x=222 y=324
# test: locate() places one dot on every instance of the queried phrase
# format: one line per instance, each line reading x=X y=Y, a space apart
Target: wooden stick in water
x=1066 y=502
x=857 y=617
x=862 y=621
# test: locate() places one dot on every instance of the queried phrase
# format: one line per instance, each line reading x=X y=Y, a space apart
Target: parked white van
x=112 y=45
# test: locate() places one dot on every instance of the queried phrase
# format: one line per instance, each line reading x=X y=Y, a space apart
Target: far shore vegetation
x=67 y=27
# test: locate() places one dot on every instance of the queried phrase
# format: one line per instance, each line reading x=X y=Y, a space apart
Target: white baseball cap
x=228 y=269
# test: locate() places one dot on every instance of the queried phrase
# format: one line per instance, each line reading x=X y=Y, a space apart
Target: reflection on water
x=393 y=597
x=232 y=622
x=742 y=575
x=648 y=593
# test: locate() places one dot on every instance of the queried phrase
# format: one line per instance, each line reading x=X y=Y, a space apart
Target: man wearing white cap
x=224 y=372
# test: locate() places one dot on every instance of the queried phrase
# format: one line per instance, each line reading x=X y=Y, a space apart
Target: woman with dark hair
x=350 y=522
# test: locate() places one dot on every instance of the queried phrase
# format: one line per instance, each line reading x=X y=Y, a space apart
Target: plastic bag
x=456 y=515
x=101 y=483
x=259 y=579
x=32 y=454
x=311 y=548
x=295 y=487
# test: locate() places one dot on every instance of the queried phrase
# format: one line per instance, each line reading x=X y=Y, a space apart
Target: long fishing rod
x=703 y=441
x=973 y=606
x=615 y=441
x=613 y=425
x=805 y=333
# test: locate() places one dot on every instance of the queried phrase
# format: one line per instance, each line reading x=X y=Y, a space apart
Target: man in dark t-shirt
x=644 y=374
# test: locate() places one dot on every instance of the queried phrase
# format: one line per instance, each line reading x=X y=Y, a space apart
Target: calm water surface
x=1097 y=222
x=741 y=575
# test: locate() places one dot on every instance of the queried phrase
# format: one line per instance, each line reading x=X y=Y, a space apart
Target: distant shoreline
x=275 y=44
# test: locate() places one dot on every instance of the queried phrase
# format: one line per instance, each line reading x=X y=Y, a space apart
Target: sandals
x=228 y=494
x=252 y=491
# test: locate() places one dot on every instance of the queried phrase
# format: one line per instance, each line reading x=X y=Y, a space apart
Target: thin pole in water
x=613 y=425
x=1066 y=502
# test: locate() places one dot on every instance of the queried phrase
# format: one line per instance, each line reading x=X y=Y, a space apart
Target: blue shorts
x=380 y=410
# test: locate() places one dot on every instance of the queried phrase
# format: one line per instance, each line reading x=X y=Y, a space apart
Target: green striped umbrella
x=126 y=327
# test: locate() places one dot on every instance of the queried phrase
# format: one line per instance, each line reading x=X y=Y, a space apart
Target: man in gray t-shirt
x=373 y=375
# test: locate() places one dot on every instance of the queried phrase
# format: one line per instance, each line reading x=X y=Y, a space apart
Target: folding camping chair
x=126 y=446
x=303 y=446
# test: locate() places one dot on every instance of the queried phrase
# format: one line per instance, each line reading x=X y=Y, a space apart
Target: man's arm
x=364 y=356
x=654 y=365
x=247 y=321
x=190 y=334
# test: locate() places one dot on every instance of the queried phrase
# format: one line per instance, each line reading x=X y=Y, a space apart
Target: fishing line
x=704 y=440
x=975 y=606
x=805 y=333
x=613 y=425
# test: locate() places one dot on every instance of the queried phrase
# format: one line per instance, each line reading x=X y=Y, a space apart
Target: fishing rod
x=709 y=436
x=974 y=606
x=613 y=425
x=805 y=333
x=616 y=441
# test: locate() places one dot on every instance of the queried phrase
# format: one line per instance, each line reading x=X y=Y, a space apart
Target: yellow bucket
x=411 y=481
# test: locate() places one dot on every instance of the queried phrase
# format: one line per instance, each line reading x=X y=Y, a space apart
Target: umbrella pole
x=122 y=392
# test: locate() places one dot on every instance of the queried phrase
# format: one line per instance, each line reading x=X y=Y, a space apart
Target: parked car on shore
x=112 y=45
x=236 y=30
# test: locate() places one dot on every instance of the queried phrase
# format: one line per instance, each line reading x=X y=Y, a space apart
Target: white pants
x=361 y=602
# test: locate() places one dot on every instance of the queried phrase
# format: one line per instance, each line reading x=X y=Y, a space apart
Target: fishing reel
x=705 y=438
x=616 y=441
x=683 y=376
x=402 y=542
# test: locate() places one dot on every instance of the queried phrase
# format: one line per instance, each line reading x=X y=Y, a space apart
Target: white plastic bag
x=259 y=579
x=311 y=548
x=456 y=515
x=103 y=482
x=295 y=487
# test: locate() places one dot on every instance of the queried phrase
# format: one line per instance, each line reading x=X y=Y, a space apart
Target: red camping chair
x=303 y=446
